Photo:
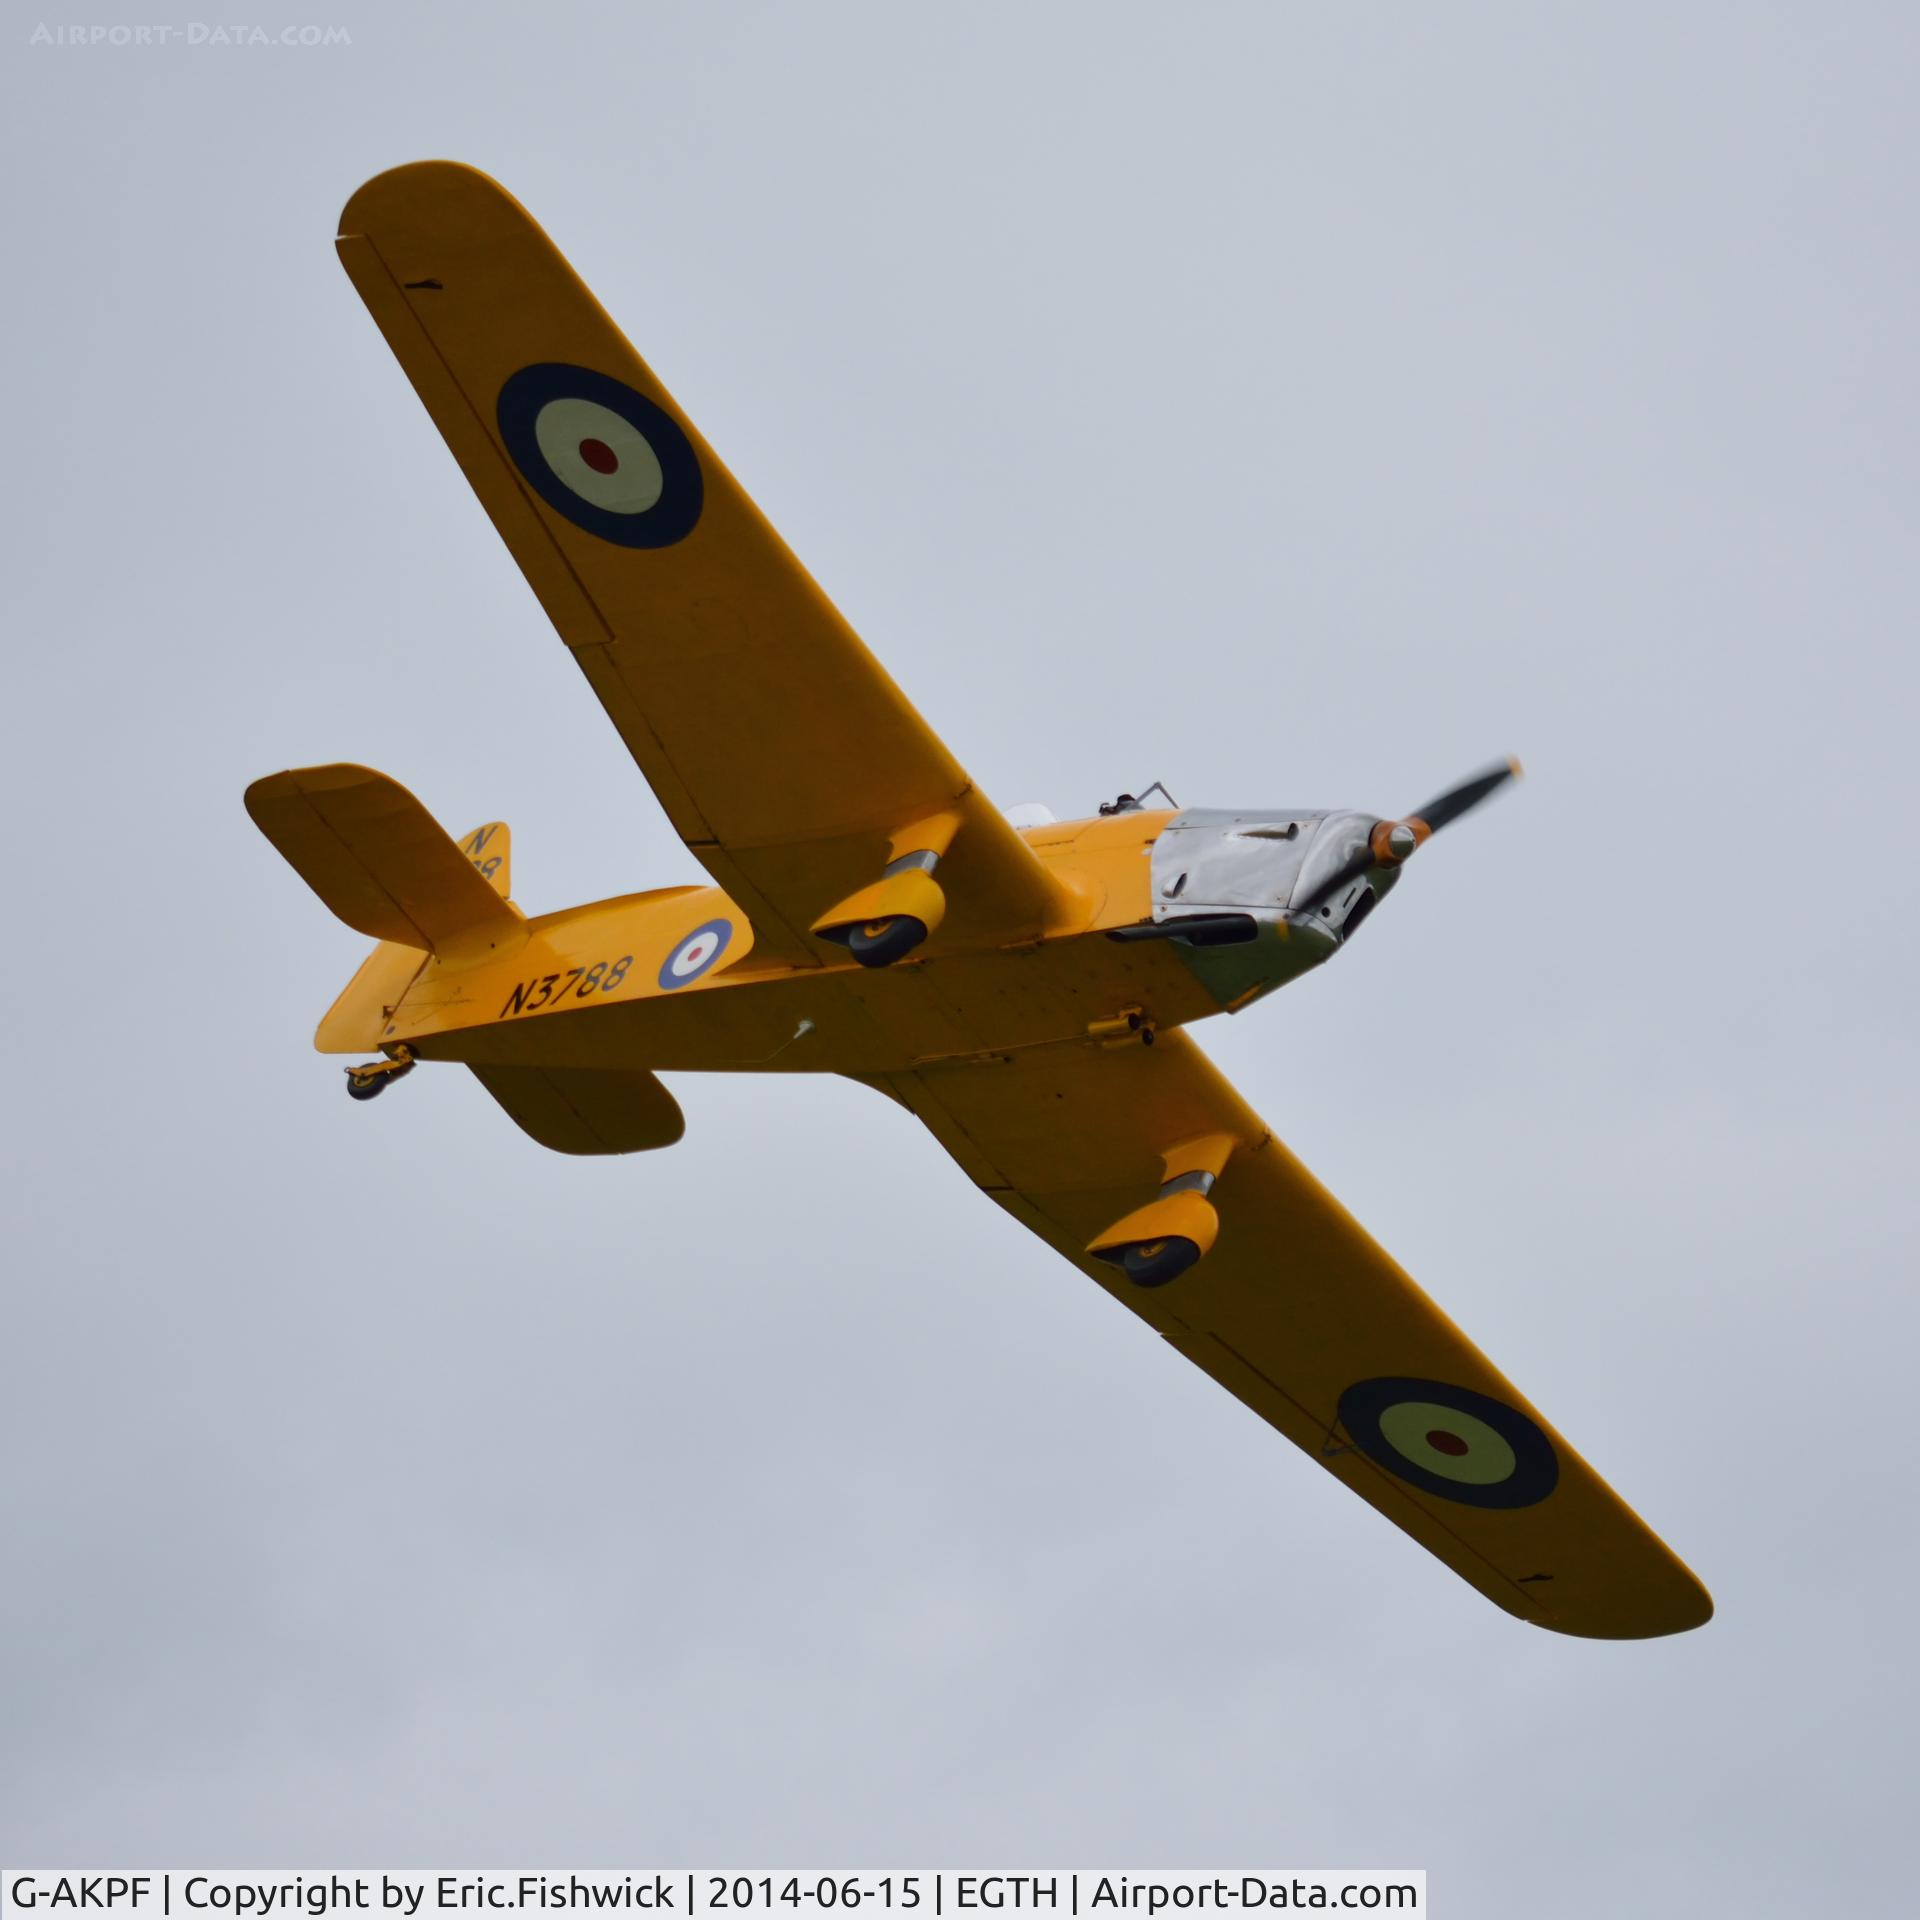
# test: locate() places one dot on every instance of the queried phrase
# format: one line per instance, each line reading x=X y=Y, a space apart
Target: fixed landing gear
x=375 y=1076
x=1159 y=1242
x=879 y=943
x=1152 y=1263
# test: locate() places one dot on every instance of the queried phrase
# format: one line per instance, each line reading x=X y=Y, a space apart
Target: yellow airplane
x=1022 y=989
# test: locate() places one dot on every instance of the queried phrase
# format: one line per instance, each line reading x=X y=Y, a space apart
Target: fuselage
x=668 y=980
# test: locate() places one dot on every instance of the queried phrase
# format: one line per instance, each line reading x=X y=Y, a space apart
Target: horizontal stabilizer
x=587 y=1109
x=382 y=863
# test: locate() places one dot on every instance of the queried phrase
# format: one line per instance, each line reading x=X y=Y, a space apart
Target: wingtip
x=261 y=793
x=1683 y=1607
x=372 y=202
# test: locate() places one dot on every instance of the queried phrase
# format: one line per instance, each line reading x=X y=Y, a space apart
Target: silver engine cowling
x=1268 y=865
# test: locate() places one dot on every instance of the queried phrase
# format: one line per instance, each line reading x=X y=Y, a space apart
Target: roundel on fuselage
x=695 y=954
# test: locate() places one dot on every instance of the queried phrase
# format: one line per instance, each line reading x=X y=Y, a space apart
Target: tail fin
x=385 y=866
x=490 y=848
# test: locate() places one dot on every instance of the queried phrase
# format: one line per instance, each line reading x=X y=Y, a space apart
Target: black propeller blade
x=1394 y=841
x=1465 y=797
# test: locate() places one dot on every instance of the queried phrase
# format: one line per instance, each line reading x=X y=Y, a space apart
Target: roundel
x=695 y=954
x=605 y=456
x=1451 y=1441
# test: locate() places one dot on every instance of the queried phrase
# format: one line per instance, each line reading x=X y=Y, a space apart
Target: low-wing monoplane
x=1023 y=989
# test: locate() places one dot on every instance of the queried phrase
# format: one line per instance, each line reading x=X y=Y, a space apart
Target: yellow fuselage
x=607 y=967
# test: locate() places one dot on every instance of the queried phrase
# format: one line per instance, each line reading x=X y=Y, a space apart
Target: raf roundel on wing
x=604 y=456
x=1451 y=1441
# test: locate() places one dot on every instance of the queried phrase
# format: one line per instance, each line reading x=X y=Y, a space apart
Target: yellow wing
x=785 y=757
x=1300 y=1314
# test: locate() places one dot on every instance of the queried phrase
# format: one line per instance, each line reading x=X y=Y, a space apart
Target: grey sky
x=1299 y=404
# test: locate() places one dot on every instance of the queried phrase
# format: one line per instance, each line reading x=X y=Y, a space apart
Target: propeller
x=1394 y=841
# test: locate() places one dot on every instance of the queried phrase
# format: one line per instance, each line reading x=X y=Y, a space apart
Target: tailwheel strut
x=374 y=1077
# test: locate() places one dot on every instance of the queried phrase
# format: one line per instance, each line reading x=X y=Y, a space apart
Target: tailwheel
x=1152 y=1263
x=373 y=1077
x=879 y=943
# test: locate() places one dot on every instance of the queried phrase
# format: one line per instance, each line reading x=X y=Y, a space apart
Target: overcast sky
x=1299 y=404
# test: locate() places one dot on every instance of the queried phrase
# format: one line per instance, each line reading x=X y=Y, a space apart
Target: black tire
x=879 y=943
x=366 y=1090
x=1152 y=1263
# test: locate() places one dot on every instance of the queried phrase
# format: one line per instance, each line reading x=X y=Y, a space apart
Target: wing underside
x=785 y=756
x=1298 y=1313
